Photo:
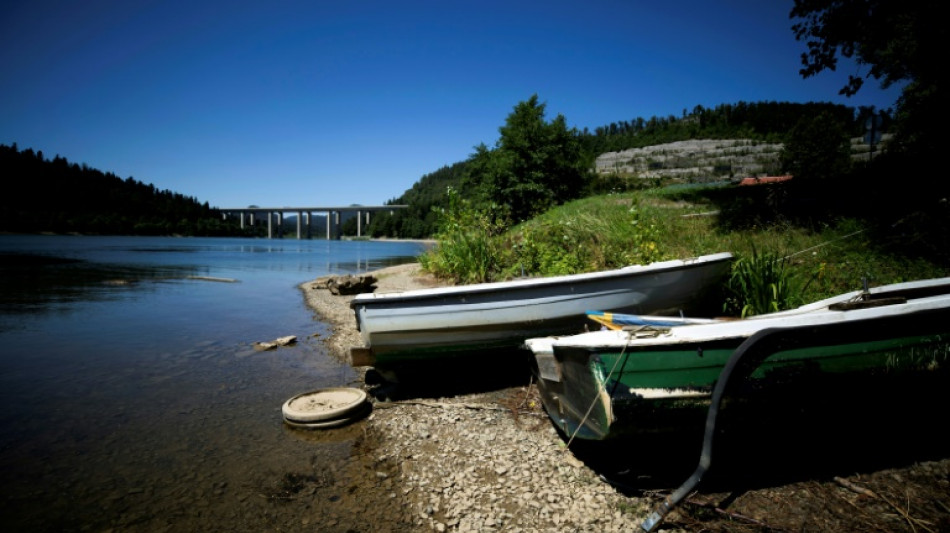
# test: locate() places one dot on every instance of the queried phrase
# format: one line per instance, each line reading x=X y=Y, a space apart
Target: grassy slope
x=824 y=259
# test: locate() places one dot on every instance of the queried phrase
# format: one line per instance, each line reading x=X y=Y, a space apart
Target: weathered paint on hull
x=588 y=404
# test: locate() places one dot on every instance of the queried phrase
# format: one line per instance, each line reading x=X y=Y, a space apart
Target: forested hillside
x=419 y=220
x=59 y=196
x=763 y=121
x=42 y=195
x=760 y=124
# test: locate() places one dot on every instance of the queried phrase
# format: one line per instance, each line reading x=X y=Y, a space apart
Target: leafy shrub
x=474 y=247
x=466 y=250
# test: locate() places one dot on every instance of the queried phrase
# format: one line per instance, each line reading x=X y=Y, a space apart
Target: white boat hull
x=456 y=321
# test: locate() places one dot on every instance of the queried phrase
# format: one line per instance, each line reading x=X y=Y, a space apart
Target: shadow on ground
x=443 y=379
x=814 y=434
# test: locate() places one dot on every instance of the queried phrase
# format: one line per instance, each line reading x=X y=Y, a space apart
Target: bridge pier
x=334 y=217
x=333 y=224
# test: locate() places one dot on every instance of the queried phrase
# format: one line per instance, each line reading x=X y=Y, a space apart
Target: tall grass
x=583 y=237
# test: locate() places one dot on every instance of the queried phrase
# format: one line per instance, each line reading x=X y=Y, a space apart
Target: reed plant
x=760 y=283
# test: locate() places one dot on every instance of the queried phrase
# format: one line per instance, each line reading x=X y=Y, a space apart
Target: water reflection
x=368 y=264
x=131 y=397
x=31 y=283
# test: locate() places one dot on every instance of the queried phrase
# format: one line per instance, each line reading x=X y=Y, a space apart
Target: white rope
x=594 y=401
x=819 y=245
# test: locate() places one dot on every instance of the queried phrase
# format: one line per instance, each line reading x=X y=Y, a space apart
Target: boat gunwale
x=891 y=289
x=728 y=329
x=659 y=267
x=926 y=321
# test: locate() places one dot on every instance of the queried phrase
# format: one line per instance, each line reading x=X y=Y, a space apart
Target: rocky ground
x=491 y=461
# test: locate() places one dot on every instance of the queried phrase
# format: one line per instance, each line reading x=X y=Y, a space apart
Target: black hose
x=705 y=456
x=757 y=348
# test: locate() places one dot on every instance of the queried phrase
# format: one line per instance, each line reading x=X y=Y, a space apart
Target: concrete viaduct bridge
x=334 y=218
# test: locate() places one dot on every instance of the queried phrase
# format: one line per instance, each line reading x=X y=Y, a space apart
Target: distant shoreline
x=179 y=236
x=388 y=239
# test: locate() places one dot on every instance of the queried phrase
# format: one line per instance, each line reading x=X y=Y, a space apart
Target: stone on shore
x=347 y=284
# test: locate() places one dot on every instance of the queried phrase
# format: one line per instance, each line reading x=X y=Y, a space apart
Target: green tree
x=534 y=165
x=897 y=42
x=817 y=149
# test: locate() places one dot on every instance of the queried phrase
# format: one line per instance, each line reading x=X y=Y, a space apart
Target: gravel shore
x=489 y=461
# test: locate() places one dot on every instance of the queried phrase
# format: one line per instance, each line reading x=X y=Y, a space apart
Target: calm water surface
x=130 y=394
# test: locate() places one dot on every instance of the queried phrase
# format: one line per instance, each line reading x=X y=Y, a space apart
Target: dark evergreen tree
x=534 y=165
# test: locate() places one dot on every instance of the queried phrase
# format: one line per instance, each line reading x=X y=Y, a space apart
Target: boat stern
x=577 y=405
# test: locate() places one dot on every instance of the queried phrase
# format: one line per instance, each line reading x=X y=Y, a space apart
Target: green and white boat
x=655 y=375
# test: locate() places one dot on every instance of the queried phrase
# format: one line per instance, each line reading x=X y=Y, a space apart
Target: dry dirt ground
x=881 y=464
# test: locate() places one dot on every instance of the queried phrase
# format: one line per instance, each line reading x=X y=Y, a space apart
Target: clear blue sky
x=334 y=102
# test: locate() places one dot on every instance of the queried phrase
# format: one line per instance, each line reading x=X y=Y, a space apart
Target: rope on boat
x=819 y=245
x=852 y=234
x=623 y=355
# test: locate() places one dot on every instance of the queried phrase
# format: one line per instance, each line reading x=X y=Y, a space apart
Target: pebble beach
x=487 y=461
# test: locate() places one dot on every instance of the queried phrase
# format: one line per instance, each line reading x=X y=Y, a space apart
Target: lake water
x=131 y=397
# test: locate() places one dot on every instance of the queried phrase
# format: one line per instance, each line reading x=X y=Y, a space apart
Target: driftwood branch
x=734 y=516
x=443 y=405
x=447 y=405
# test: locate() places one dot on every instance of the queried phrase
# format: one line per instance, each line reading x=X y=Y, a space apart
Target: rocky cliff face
x=694 y=160
x=704 y=159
